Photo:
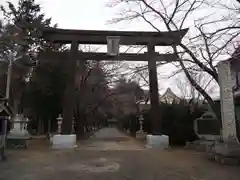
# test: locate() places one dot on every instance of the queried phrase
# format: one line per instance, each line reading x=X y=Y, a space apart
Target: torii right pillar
x=154 y=95
x=156 y=139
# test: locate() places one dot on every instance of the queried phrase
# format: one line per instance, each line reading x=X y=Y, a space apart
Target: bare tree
x=205 y=43
x=187 y=91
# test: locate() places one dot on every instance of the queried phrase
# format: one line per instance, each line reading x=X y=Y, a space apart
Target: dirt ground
x=115 y=158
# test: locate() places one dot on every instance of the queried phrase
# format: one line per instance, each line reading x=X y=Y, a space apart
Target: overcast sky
x=93 y=14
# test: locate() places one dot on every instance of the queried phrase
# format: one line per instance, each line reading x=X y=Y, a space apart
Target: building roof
x=168 y=95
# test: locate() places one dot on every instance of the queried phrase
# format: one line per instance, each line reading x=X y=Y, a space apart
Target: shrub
x=177 y=121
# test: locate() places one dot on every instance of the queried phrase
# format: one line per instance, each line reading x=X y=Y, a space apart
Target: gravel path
x=111 y=155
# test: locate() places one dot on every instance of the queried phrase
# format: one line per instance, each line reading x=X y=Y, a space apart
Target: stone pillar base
x=141 y=135
x=17 y=139
x=157 y=141
x=227 y=149
x=60 y=141
x=199 y=145
x=224 y=153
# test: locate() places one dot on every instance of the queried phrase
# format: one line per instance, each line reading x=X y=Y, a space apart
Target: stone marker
x=207 y=127
x=226 y=82
x=228 y=150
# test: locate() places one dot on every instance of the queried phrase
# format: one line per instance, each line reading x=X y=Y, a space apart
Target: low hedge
x=177 y=121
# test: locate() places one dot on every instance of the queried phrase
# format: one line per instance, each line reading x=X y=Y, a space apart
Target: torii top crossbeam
x=66 y=36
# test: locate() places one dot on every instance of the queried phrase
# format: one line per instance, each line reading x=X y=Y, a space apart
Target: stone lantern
x=141 y=134
x=141 y=122
x=19 y=127
x=18 y=136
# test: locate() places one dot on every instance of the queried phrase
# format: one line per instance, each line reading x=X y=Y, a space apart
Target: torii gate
x=76 y=37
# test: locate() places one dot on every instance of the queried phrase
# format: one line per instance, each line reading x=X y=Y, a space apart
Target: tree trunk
x=79 y=128
x=79 y=121
x=133 y=126
x=15 y=106
x=38 y=126
x=194 y=83
x=201 y=91
x=49 y=126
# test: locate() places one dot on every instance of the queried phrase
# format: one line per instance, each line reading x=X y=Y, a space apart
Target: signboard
x=207 y=126
x=113 y=45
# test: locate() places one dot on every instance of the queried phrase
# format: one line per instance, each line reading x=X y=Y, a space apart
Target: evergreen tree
x=20 y=40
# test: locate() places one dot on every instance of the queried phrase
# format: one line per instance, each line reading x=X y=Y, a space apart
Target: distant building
x=112 y=122
x=168 y=97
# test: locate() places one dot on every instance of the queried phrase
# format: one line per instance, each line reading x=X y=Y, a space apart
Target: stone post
x=141 y=123
x=154 y=96
x=226 y=83
x=73 y=126
x=59 y=123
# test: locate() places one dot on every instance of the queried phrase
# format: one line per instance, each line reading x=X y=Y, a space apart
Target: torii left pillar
x=68 y=101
